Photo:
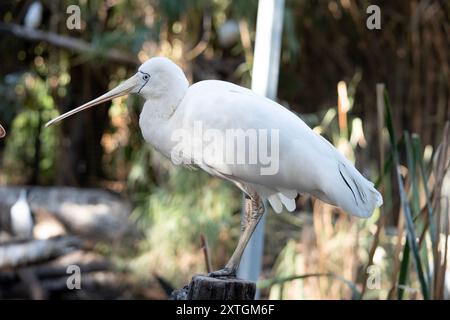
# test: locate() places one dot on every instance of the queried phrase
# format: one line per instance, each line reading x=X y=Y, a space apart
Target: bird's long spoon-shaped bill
x=122 y=89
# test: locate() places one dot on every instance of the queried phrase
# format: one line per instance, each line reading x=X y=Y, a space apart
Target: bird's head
x=155 y=79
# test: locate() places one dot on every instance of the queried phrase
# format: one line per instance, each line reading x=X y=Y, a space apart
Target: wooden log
x=69 y=43
x=207 y=288
x=89 y=281
x=46 y=271
x=17 y=254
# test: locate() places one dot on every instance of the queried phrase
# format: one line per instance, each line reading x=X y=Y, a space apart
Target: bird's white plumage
x=33 y=17
x=228 y=33
x=21 y=218
x=301 y=161
x=308 y=163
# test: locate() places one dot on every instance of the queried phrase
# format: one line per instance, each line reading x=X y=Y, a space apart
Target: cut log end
x=208 y=288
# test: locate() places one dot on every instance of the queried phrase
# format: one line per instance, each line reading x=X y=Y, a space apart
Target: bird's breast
x=156 y=133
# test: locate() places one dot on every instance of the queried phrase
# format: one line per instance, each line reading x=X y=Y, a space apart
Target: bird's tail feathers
x=365 y=198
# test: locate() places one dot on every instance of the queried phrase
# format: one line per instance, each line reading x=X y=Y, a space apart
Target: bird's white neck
x=160 y=108
x=23 y=195
x=157 y=110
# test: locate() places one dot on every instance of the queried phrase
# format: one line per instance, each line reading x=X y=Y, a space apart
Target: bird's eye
x=146 y=77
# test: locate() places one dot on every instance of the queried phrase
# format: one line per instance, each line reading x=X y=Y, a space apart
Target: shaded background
x=141 y=218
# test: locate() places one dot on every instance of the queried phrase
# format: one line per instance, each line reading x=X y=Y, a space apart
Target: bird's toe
x=225 y=273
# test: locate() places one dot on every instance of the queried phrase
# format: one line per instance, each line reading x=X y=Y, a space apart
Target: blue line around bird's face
x=146 y=81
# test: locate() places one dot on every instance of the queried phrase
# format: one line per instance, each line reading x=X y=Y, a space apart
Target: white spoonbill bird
x=33 y=18
x=21 y=219
x=304 y=162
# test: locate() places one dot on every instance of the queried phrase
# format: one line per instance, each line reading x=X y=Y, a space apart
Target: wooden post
x=207 y=288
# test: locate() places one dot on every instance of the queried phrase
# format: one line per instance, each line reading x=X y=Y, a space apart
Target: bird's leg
x=245 y=219
x=254 y=210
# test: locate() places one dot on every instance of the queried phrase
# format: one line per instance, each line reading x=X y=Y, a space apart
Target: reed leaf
x=411 y=233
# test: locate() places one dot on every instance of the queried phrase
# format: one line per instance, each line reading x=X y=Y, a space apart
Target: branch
x=69 y=43
x=17 y=254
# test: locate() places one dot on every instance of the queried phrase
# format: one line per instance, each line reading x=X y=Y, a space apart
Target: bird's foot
x=223 y=273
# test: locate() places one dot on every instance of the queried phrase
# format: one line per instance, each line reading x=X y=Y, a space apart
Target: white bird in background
x=307 y=162
x=228 y=33
x=21 y=218
x=2 y=132
x=33 y=17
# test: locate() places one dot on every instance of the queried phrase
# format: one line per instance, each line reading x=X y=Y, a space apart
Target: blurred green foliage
x=174 y=215
x=33 y=106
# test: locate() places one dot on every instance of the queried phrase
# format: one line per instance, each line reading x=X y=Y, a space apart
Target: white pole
x=266 y=62
x=269 y=27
